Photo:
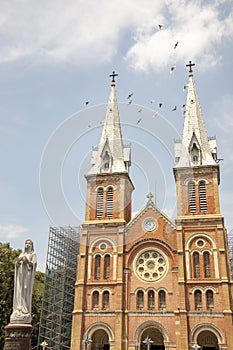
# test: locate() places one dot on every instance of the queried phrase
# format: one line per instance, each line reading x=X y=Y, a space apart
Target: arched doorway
x=100 y=340
x=157 y=338
x=207 y=340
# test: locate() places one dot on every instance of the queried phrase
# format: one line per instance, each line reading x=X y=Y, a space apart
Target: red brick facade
x=149 y=279
x=196 y=302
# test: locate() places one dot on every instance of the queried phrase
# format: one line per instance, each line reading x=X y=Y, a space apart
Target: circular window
x=103 y=246
x=151 y=265
x=200 y=243
x=149 y=224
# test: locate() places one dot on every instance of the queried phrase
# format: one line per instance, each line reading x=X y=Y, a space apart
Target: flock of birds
x=160 y=104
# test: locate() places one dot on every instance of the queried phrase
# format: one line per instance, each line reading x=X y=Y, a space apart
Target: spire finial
x=190 y=65
x=149 y=196
x=113 y=75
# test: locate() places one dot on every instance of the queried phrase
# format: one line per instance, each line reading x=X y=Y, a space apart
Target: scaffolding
x=230 y=245
x=58 y=298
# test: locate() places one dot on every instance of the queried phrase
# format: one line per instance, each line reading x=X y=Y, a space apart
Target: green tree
x=37 y=296
x=7 y=267
x=8 y=257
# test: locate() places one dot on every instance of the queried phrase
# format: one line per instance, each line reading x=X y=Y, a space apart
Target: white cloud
x=83 y=32
x=76 y=30
x=12 y=231
x=197 y=27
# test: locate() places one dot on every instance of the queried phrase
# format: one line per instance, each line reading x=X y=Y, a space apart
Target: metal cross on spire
x=190 y=65
x=149 y=196
x=113 y=75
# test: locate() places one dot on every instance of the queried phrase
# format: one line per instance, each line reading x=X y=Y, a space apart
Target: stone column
x=18 y=336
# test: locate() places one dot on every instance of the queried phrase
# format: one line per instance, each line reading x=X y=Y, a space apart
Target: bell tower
x=204 y=279
x=109 y=186
x=196 y=171
x=99 y=288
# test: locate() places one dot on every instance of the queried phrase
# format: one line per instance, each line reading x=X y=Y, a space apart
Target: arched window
x=105 y=300
x=195 y=159
x=140 y=300
x=107 y=266
x=194 y=154
x=95 y=300
x=106 y=161
x=109 y=207
x=209 y=299
x=202 y=196
x=100 y=203
x=97 y=267
x=198 y=299
x=151 y=300
x=162 y=299
x=196 y=265
x=192 y=197
x=207 y=270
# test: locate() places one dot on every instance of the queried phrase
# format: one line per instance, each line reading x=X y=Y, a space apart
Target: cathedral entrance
x=100 y=340
x=208 y=341
x=156 y=337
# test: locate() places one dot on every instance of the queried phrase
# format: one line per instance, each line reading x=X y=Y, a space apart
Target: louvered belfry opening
x=109 y=204
x=192 y=197
x=100 y=203
x=202 y=196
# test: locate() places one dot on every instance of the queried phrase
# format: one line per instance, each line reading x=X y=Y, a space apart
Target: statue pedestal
x=18 y=336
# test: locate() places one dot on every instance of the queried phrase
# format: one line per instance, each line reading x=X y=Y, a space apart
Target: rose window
x=151 y=265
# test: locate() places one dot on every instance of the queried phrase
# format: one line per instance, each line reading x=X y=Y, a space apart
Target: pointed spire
x=111 y=156
x=195 y=148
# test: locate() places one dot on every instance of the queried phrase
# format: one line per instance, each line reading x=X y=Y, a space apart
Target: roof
x=111 y=156
x=195 y=148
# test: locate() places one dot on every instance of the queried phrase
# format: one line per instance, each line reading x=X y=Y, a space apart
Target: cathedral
x=147 y=282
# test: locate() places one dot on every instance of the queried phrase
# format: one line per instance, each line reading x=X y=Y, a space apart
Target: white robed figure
x=25 y=268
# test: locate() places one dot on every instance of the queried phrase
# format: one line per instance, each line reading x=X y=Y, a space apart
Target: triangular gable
x=150 y=205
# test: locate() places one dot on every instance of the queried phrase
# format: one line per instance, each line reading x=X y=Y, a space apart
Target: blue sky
x=55 y=55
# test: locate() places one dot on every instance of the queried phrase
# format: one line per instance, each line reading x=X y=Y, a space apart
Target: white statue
x=25 y=268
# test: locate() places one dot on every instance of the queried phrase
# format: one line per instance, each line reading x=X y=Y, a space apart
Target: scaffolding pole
x=58 y=298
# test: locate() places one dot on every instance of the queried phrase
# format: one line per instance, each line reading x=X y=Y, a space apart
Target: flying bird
x=160 y=26
x=130 y=95
x=174 y=108
x=139 y=120
x=160 y=104
x=172 y=69
x=176 y=44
